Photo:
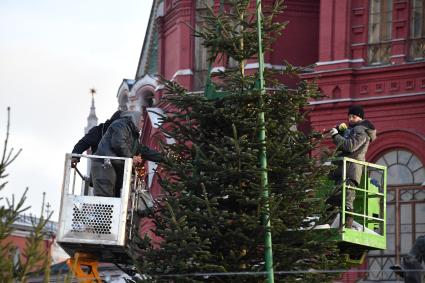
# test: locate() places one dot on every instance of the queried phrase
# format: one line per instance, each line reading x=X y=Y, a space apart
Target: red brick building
x=368 y=52
x=372 y=53
x=22 y=228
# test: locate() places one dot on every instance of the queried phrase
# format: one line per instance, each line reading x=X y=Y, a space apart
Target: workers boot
x=349 y=222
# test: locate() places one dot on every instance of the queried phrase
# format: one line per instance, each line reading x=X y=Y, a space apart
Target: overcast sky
x=51 y=53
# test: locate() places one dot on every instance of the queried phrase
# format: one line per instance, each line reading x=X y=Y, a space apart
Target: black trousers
x=350 y=195
x=107 y=177
x=413 y=261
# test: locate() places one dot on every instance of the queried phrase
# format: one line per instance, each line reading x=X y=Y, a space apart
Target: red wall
x=299 y=41
x=20 y=243
x=333 y=34
x=393 y=95
x=176 y=40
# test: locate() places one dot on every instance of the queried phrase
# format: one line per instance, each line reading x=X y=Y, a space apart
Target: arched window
x=404 y=168
x=405 y=208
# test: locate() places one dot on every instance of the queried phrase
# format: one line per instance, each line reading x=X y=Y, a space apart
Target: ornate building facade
x=368 y=52
x=372 y=52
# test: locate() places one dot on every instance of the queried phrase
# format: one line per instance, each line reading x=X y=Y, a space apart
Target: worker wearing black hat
x=353 y=142
x=356 y=110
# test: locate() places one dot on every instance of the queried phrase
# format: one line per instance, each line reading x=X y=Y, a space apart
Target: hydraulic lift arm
x=84 y=268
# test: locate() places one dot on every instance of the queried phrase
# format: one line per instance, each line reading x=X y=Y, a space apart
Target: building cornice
x=364 y=70
x=340 y=100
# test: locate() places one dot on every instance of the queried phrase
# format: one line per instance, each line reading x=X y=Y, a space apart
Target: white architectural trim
x=266 y=65
x=21 y=233
x=151 y=172
x=398 y=39
x=365 y=98
x=170 y=140
x=130 y=92
x=360 y=60
x=124 y=88
x=155 y=114
x=159 y=87
x=218 y=69
x=146 y=80
x=252 y=66
x=160 y=10
x=123 y=93
x=183 y=72
x=249 y=66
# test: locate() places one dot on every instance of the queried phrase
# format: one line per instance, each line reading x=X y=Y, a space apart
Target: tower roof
x=149 y=55
x=92 y=118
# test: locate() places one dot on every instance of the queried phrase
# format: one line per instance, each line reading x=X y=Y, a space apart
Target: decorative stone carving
x=379 y=87
x=395 y=86
x=410 y=84
x=364 y=89
x=336 y=92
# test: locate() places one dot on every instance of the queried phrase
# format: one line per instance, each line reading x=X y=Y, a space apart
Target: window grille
x=380 y=22
x=406 y=202
x=417 y=30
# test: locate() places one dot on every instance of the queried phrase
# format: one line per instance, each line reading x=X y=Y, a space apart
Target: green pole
x=268 y=251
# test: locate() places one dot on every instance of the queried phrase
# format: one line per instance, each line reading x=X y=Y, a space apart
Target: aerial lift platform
x=96 y=229
x=368 y=231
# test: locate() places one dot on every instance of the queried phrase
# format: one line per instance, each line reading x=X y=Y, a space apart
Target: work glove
x=342 y=127
x=74 y=162
x=334 y=131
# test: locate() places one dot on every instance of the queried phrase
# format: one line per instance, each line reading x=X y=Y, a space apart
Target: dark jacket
x=413 y=261
x=93 y=137
x=354 y=144
x=122 y=139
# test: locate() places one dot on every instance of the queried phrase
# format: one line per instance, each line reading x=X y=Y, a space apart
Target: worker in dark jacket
x=353 y=142
x=120 y=140
x=411 y=268
x=92 y=138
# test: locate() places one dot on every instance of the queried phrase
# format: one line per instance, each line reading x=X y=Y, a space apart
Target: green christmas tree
x=14 y=266
x=209 y=222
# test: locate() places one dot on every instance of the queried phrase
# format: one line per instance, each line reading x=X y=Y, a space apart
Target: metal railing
x=369 y=211
x=87 y=222
x=371 y=193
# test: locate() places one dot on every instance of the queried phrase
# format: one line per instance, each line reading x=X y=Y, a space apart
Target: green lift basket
x=369 y=226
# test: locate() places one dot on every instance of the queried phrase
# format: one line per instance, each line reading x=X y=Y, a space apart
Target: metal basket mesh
x=92 y=218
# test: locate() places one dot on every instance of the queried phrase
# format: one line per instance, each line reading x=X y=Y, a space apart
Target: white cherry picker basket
x=99 y=226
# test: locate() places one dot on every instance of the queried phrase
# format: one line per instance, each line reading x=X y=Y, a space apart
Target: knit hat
x=356 y=110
